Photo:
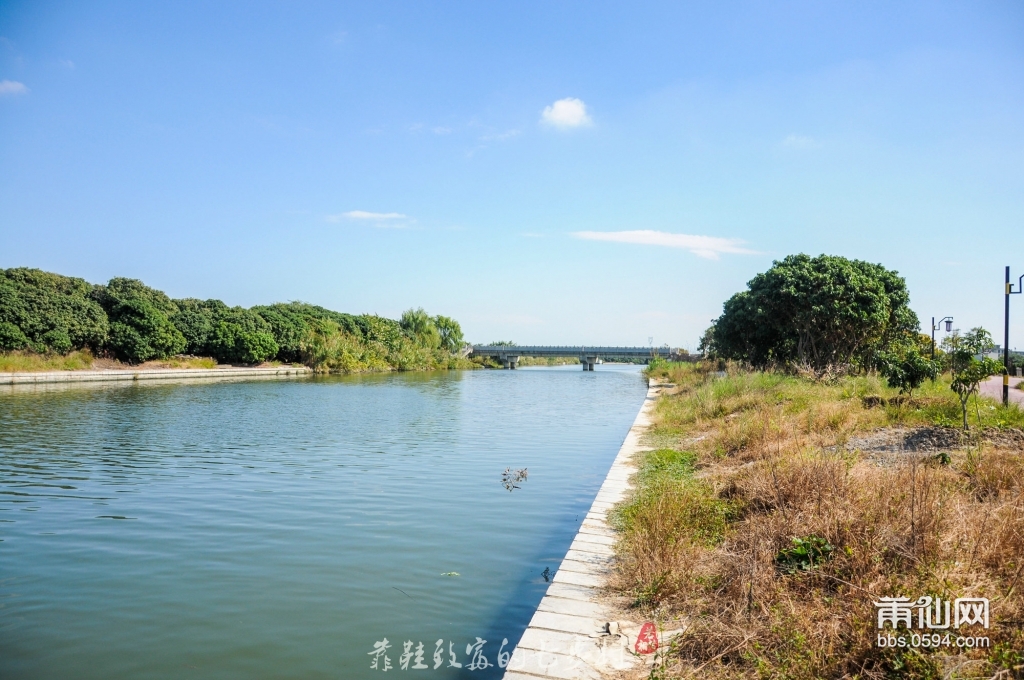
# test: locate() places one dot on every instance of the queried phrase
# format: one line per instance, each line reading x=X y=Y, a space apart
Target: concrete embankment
x=71 y=377
x=568 y=635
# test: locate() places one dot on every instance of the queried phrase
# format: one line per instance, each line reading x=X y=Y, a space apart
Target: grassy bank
x=768 y=519
x=83 y=360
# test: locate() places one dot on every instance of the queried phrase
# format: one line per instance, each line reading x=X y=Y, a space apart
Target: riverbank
x=775 y=510
x=569 y=636
x=123 y=375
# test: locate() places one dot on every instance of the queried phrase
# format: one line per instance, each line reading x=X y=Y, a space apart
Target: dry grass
x=82 y=360
x=18 y=362
x=752 y=461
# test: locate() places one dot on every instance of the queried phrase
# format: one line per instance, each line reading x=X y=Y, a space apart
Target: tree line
x=45 y=312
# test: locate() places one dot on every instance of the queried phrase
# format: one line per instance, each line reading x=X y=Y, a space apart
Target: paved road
x=993 y=387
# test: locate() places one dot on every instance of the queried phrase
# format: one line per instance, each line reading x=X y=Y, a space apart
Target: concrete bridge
x=509 y=354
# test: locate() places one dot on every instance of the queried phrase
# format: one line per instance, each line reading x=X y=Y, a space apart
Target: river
x=284 y=529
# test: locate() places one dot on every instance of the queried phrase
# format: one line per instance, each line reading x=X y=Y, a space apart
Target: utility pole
x=1006 y=334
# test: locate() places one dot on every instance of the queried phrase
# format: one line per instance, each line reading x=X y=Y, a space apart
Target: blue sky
x=543 y=172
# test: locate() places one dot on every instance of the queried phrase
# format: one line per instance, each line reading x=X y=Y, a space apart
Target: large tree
x=825 y=312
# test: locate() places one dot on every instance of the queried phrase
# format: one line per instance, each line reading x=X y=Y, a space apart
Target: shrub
x=140 y=325
x=228 y=334
x=11 y=337
x=47 y=312
x=906 y=370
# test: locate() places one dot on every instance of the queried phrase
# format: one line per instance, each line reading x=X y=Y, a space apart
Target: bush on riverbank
x=753 y=467
x=52 y=315
x=43 y=312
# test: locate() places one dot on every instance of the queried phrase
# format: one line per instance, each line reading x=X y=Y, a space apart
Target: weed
x=805 y=554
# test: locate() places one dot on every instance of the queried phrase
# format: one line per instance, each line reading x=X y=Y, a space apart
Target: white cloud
x=12 y=87
x=800 y=142
x=439 y=130
x=566 y=113
x=708 y=247
x=364 y=215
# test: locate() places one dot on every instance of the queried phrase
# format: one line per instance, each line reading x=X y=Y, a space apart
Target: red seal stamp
x=647 y=640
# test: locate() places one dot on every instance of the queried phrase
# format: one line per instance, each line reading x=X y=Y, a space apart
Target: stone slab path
x=563 y=639
x=121 y=375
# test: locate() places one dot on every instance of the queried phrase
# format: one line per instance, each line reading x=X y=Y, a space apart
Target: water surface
x=280 y=529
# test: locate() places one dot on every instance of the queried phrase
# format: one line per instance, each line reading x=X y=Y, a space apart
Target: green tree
x=420 y=326
x=967 y=367
x=450 y=332
x=140 y=321
x=825 y=313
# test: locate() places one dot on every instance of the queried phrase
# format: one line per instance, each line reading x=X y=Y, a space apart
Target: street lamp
x=949 y=326
x=1006 y=334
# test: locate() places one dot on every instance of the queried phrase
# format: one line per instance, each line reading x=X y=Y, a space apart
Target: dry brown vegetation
x=746 y=462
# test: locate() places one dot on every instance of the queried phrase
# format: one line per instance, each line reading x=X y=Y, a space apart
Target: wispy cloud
x=566 y=113
x=441 y=130
x=365 y=215
x=795 y=141
x=501 y=136
x=12 y=87
x=390 y=220
x=708 y=247
x=67 y=63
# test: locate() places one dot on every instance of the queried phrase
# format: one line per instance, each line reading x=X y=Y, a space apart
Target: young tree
x=968 y=370
x=906 y=369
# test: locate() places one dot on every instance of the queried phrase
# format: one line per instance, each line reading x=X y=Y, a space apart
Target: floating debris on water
x=510 y=477
x=451 y=573
x=547 y=574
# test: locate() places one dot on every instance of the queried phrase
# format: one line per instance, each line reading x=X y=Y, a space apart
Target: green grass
x=710 y=397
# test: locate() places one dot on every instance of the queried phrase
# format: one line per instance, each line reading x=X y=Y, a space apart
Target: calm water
x=280 y=529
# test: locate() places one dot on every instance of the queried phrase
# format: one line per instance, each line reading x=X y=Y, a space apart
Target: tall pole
x=1006 y=341
x=933 y=338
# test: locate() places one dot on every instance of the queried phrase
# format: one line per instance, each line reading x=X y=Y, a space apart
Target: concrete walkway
x=65 y=377
x=993 y=388
x=564 y=637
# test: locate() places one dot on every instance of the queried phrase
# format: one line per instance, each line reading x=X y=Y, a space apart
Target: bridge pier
x=588 y=363
x=511 y=362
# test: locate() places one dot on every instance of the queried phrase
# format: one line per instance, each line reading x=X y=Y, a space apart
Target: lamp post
x=1006 y=334
x=949 y=326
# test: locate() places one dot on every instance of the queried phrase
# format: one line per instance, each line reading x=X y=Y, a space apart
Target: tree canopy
x=43 y=312
x=825 y=312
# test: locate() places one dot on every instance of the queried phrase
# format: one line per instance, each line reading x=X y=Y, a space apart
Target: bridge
x=509 y=354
